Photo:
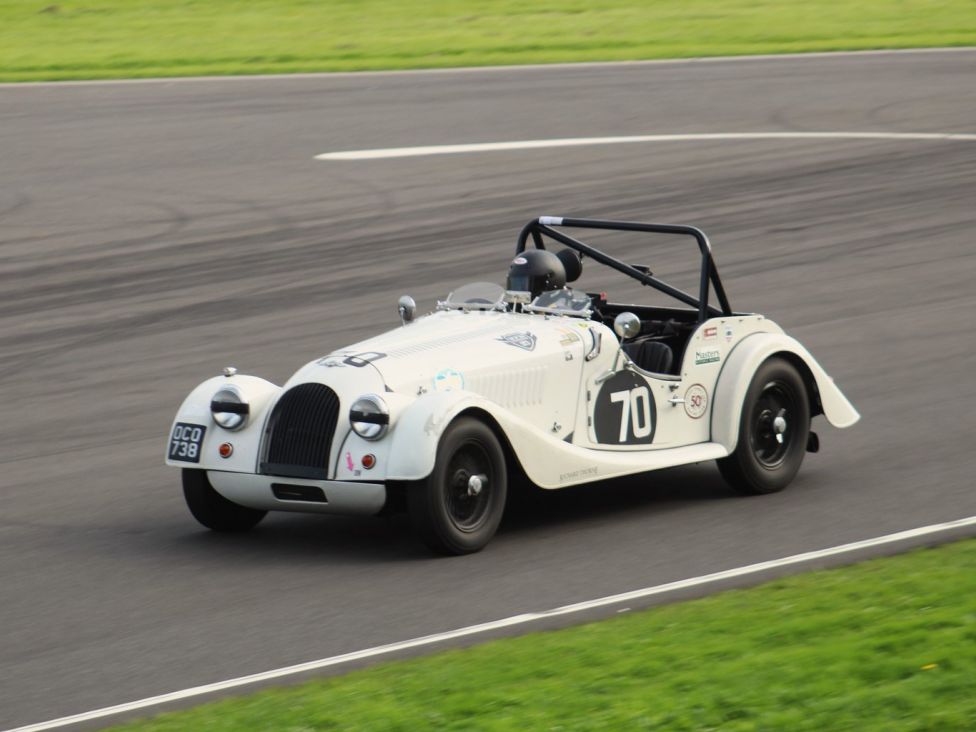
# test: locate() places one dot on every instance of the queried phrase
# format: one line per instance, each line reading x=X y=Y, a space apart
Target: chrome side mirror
x=407 y=309
x=626 y=325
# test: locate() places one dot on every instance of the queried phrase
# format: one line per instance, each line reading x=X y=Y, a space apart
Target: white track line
x=479 y=147
x=493 y=69
x=471 y=630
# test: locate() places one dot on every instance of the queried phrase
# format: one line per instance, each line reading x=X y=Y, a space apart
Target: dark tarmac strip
x=153 y=233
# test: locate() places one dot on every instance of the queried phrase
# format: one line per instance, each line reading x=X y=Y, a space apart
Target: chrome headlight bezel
x=369 y=417
x=229 y=409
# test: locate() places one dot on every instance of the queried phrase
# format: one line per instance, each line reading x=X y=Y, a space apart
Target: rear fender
x=737 y=373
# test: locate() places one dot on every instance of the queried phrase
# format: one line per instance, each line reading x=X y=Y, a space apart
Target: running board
x=583 y=465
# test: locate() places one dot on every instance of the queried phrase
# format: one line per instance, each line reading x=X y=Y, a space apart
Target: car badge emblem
x=525 y=341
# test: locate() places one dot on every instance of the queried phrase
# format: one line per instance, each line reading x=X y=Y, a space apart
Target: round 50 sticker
x=696 y=401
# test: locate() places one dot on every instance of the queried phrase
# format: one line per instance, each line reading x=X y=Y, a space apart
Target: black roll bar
x=709 y=273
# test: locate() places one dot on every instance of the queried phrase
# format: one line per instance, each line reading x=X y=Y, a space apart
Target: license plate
x=186 y=442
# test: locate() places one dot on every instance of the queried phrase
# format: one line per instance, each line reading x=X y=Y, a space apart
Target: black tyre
x=773 y=431
x=457 y=509
x=213 y=510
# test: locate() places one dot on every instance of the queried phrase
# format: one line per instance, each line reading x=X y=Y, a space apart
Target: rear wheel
x=213 y=510
x=773 y=431
x=457 y=509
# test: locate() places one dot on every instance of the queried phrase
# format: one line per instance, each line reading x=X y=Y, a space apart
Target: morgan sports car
x=535 y=379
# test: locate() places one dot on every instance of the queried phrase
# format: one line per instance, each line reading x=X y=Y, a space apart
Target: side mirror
x=626 y=325
x=407 y=309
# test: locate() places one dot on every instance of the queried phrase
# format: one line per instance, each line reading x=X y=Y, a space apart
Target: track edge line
x=521 y=619
x=492 y=69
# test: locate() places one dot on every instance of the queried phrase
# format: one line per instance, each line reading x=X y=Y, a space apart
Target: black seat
x=650 y=355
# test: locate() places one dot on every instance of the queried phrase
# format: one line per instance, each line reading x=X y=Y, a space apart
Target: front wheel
x=213 y=510
x=457 y=509
x=773 y=431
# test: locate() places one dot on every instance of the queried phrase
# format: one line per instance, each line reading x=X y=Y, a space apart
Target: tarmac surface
x=152 y=233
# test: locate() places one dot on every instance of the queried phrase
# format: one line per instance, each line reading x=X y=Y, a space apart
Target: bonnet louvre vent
x=299 y=434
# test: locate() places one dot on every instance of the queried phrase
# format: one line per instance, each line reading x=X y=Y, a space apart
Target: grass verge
x=83 y=39
x=889 y=644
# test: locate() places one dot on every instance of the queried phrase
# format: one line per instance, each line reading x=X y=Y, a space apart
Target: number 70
x=636 y=412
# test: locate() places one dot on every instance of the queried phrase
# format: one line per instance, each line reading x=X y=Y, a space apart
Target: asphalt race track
x=151 y=233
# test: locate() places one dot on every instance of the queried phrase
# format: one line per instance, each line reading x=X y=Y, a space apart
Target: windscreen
x=481 y=295
x=564 y=302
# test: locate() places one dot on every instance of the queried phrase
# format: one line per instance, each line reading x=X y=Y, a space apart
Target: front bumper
x=272 y=493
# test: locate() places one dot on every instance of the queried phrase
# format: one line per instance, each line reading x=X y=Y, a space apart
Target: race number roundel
x=624 y=413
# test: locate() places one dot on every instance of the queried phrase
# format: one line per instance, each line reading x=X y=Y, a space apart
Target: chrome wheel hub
x=771 y=435
x=476 y=483
x=779 y=425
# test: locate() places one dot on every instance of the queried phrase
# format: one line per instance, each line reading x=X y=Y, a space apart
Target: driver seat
x=650 y=355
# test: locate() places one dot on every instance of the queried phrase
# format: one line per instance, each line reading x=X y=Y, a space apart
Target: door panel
x=631 y=410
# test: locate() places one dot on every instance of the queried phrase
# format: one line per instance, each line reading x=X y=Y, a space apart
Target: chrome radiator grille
x=299 y=434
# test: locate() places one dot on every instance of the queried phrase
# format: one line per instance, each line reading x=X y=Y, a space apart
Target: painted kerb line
x=482 y=147
x=514 y=620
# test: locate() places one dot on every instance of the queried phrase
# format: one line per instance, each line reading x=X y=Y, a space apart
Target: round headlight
x=369 y=417
x=228 y=408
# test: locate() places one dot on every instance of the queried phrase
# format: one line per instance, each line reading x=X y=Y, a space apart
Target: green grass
x=75 y=39
x=885 y=645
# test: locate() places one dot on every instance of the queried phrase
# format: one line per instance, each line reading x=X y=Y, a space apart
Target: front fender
x=737 y=372
x=260 y=394
x=548 y=461
x=414 y=439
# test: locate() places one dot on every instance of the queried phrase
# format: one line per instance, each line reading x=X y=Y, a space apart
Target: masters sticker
x=707 y=356
x=696 y=400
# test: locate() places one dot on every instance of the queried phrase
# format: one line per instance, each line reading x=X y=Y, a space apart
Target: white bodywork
x=535 y=378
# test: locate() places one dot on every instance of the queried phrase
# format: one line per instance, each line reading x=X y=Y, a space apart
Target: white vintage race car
x=535 y=378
